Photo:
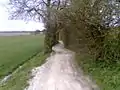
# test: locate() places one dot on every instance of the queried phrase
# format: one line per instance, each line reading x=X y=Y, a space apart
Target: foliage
x=81 y=21
x=112 y=47
x=89 y=22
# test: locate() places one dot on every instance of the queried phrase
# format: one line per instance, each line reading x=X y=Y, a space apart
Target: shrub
x=111 y=48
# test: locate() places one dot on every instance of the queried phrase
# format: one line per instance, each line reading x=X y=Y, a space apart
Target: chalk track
x=60 y=72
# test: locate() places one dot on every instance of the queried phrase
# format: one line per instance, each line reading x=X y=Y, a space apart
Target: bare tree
x=38 y=10
x=27 y=9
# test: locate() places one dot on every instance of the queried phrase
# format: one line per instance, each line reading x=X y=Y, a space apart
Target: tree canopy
x=75 y=21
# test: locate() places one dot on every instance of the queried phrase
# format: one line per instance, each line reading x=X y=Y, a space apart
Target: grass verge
x=18 y=81
x=106 y=76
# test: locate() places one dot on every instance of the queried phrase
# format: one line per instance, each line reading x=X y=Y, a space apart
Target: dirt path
x=60 y=73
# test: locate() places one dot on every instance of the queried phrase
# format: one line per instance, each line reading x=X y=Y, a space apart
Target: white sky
x=15 y=25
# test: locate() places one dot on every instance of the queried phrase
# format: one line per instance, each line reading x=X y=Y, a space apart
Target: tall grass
x=111 y=47
x=112 y=51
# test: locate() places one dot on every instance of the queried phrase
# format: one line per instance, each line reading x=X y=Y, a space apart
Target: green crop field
x=15 y=50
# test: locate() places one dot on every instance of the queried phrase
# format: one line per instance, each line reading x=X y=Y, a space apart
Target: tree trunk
x=50 y=40
x=50 y=35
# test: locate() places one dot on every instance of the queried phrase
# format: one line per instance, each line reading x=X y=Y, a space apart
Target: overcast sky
x=15 y=25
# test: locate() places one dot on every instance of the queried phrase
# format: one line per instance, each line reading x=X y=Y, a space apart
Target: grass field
x=16 y=50
x=18 y=81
